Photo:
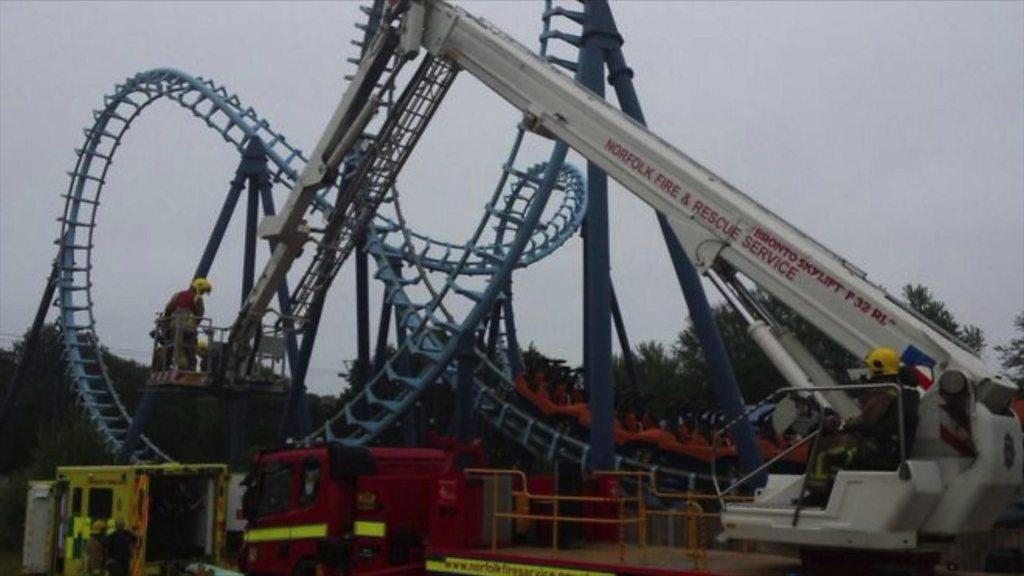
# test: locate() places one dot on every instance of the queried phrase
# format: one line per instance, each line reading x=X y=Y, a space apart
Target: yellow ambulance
x=176 y=511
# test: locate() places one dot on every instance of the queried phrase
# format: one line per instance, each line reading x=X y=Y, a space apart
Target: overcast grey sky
x=893 y=133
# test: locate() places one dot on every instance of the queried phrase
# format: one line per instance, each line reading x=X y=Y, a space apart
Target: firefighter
x=120 y=547
x=182 y=314
x=877 y=428
x=95 y=551
x=871 y=440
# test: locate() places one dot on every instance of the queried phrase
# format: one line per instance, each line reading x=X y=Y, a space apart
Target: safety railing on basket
x=188 y=351
x=821 y=421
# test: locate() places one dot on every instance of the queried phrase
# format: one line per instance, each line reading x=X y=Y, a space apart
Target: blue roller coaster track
x=443 y=295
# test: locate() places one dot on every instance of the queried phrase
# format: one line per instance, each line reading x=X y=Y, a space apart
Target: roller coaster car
x=188 y=356
x=690 y=448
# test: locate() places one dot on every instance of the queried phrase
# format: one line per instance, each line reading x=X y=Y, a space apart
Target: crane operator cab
x=872 y=439
x=874 y=480
x=189 y=351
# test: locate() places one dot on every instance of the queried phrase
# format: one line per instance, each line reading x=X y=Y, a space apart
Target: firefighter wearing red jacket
x=183 y=312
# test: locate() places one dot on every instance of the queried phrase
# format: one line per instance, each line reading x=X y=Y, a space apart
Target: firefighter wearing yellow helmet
x=95 y=551
x=883 y=363
x=871 y=440
x=183 y=313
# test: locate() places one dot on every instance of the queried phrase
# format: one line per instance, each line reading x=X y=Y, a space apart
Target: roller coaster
x=451 y=303
x=426 y=281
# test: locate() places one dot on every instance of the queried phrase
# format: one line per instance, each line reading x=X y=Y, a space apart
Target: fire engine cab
x=362 y=509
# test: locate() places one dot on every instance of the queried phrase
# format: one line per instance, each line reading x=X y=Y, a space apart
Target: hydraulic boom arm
x=723 y=230
x=714 y=221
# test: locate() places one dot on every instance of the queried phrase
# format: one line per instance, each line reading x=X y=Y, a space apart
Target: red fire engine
x=365 y=510
x=328 y=510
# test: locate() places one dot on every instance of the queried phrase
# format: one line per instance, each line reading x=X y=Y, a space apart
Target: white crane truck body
x=938 y=491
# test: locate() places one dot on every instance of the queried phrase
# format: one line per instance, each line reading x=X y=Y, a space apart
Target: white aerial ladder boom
x=938 y=491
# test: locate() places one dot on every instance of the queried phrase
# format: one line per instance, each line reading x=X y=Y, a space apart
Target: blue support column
x=466 y=366
x=515 y=359
x=143 y=412
x=254 y=161
x=493 y=331
x=597 y=262
x=632 y=373
x=410 y=421
x=362 y=315
x=221 y=225
x=296 y=420
x=727 y=391
x=383 y=328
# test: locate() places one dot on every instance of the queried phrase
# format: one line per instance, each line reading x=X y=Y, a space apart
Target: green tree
x=1012 y=354
x=755 y=373
x=74 y=442
x=660 y=380
x=921 y=299
x=35 y=405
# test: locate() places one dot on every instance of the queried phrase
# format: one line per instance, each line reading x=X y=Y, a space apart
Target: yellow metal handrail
x=646 y=483
x=554 y=499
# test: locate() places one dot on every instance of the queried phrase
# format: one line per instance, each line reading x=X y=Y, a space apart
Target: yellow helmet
x=99 y=527
x=883 y=362
x=202 y=285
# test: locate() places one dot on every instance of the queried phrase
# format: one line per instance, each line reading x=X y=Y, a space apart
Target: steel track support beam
x=727 y=390
x=597 y=261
